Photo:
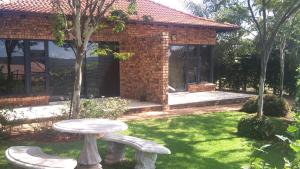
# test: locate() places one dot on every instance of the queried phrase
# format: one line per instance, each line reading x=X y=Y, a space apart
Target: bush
x=7 y=120
x=109 y=108
x=257 y=128
x=273 y=106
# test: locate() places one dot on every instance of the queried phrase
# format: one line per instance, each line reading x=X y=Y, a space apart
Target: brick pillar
x=165 y=72
x=146 y=72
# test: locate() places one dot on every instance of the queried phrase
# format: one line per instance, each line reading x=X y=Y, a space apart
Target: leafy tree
x=288 y=32
x=235 y=57
x=209 y=8
x=79 y=20
x=268 y=17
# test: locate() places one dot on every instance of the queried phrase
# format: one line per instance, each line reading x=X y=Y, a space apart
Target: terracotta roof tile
x=159 y=13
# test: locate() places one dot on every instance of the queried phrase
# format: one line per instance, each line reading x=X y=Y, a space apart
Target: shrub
x=273 y=106
x=110 y=108
x=250 y=106
x=257 y=128
x=7 y=120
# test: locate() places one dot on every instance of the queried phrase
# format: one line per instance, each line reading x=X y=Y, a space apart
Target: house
x=172 y=51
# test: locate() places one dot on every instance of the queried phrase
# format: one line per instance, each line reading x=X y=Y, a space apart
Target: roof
x=159 y=13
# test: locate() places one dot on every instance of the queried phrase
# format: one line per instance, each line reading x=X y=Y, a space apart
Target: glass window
x=37 y=49
x=188 y=64
x=205 y=68
x=12 y=67
x=177 y=57
x=102 y=73
x=61 y=70
x=38 y=66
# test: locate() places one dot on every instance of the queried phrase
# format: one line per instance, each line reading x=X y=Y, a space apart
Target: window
x=101 y=75
x=189 y=64
x=12 y=68
x=39 y=67
x=177 y=56
x=37 y=55
x=61 y=70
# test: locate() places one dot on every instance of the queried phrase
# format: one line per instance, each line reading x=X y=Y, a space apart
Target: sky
x=176 y=4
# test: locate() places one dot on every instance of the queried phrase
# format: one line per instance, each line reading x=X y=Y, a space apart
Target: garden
x=196 y=142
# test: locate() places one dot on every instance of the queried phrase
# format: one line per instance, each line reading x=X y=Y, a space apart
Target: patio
x=199 y=99
x=176 y=101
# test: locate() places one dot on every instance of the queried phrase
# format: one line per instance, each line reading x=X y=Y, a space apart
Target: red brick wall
x=201 y=87
x=147 y=70
x=145 y=75
x=24 y=101
x=39 y=27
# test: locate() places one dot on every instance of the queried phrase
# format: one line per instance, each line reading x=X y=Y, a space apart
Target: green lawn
x=197 y=142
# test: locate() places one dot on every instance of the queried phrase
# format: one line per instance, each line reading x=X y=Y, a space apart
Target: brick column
x=145 y=75
x=165 y=72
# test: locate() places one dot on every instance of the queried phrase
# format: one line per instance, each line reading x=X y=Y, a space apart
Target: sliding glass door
x=189 y=64
x=34 y=67
x=12 y=67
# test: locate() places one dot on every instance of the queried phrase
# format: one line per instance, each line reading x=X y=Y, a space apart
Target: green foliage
x=123 y=55
x=288 y=145
x=118 y=18
x=102 y=52
x=147 y=18
x=132 y=7
x=6 y=116
x=290 y=141
x=255 y=127
x=7 y=119
x=237 y=60
x=250 y=106
x=110 y=108
x=206 y=141
x=297 y=99
x=59 y=29
x=273 y=106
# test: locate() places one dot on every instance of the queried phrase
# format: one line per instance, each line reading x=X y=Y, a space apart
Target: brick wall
x=145 y=75
x=18 y=26
x=24 y=101
x=146 y=72
x=201 y=87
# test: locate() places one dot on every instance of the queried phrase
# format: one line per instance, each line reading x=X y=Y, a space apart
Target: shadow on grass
x=197 y=142
x=185 y=135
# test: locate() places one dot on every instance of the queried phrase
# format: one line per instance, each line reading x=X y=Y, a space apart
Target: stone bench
x=145 y=155
x=34 y=158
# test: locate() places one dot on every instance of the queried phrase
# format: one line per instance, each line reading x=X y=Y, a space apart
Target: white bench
x=34 y=158
x=145 y=155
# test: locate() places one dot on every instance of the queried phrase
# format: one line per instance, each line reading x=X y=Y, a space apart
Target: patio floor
x=56 y=109
x=186 y=99
x=176 y=101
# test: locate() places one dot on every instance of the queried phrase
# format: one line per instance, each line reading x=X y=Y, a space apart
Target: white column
x=115 y=153
x=89 y=156
x=145 y=160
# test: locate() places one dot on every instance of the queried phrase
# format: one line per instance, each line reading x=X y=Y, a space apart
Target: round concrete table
x=91 y=128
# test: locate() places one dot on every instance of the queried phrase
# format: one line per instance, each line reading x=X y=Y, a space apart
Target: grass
x=197 y=142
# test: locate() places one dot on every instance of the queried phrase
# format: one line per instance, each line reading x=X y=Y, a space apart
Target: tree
x=78 y=20
x=286 y=33
x=268 y=17
x=209 y=8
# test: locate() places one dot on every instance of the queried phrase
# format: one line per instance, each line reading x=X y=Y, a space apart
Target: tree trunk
x=282 y=58
x=261 y=94
x=77 y=86
x=262 y=80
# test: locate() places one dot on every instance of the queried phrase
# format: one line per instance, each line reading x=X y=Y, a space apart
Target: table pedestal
x=89 y=156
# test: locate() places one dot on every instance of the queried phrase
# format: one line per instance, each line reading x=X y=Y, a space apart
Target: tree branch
x=285 y=16
x=98 y=18
x=254 y=19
